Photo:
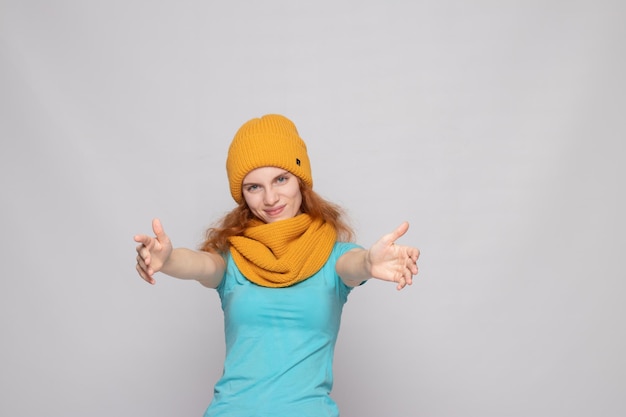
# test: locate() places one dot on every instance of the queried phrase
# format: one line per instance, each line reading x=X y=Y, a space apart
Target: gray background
x=496 y=128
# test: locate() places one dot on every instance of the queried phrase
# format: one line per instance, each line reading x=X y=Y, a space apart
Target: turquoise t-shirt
x=280 y=344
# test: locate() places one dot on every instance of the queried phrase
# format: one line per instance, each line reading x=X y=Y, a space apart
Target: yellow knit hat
x=271 y=140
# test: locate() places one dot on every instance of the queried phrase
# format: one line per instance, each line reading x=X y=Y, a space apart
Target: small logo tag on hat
x=297 y=162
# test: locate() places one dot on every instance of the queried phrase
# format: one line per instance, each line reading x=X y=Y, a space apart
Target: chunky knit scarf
x=283 y=253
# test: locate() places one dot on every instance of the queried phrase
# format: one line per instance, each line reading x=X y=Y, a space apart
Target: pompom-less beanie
x=271 y=140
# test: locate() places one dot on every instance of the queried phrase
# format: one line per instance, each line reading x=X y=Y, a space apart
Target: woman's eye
x=251 y=188
x=282 y=179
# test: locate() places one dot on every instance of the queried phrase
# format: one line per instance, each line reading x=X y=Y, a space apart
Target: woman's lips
x=275 y=211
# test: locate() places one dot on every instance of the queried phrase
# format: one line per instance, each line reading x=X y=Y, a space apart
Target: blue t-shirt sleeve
x=229 y=264
x=339 y=249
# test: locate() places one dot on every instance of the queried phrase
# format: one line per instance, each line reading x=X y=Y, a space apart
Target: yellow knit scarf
x=283 y=253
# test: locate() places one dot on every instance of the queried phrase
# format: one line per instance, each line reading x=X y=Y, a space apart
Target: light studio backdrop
x=496 y=128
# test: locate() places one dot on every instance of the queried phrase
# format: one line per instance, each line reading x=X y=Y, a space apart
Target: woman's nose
x=270 y=197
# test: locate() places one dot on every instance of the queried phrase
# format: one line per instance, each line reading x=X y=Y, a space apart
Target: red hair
x=235 y=222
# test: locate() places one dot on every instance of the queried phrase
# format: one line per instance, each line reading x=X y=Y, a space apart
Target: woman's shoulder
x=342 y=247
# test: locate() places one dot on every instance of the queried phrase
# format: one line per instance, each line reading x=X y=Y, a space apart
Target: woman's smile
x=275 y=211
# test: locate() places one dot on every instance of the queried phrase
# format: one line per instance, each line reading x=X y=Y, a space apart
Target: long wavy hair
x=235 y=222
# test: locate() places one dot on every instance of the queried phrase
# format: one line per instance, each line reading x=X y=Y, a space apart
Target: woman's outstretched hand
x=152 y=252
x=391 y=262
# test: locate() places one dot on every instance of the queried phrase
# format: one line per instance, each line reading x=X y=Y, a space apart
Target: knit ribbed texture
x=283 y=253
x=271 y=140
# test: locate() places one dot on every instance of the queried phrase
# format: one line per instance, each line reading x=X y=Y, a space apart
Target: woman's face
x=272 y=194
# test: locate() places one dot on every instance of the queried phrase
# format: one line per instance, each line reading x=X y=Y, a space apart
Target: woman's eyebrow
x=246 y=184
x=284 y=173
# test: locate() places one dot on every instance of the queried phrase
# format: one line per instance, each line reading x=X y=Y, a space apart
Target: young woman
x=283 y=266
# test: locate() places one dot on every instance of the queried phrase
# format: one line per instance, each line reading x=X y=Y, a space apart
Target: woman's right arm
x=155 y=254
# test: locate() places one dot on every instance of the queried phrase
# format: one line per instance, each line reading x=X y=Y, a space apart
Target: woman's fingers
x=149 y=246
x=143 y=240
x=144 y=264
x=144 y=275
x=399 y=232
x=157 y=228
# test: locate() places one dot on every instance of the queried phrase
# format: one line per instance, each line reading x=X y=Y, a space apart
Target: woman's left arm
x=384 y=260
